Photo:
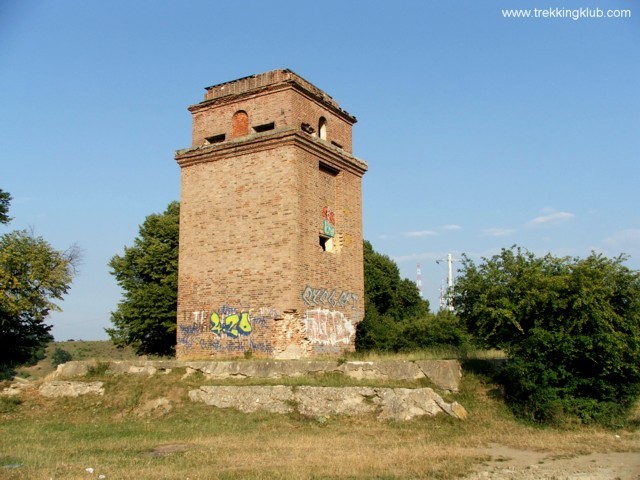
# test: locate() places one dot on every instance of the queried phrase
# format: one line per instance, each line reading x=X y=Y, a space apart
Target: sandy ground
x=510 y=463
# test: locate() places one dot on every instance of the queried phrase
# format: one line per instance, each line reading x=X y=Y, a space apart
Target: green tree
x=386 y=291
x=5 y=201
x=389 y=301
x=148 y=275
x=570 y=327
x=32 y=276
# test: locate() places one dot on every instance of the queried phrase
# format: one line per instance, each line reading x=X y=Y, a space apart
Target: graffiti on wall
x=328 y=327
x=227 y=324
x=329 y=298
x=232 y=325
x=216 y=345
x=329 y=222
x=233 y=322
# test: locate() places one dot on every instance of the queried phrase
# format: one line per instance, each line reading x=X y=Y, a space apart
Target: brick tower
x=270 y=223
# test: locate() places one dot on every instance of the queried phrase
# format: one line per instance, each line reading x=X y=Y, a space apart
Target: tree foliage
x=429 y=331
x=571 y=329
x=148 y=275
x=389 y=302
x=386 y=291
x=5 y=201
x=33 y=275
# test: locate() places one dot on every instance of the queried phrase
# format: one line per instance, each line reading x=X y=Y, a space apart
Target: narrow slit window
x=265 y=127
x=216 y=138
x=323 y=167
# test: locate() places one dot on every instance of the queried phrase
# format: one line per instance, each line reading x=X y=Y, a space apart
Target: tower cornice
x=276 y=80
x=329 y=153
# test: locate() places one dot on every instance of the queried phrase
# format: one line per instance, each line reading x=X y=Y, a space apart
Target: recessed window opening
x=216 y=138
x=336 y=144
x=239 y=124
x=322 y=128
x=326 y=243
x=323 y=167
x=265 y=127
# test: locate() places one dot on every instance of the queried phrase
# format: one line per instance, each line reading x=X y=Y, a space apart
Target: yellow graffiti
x=231 y=325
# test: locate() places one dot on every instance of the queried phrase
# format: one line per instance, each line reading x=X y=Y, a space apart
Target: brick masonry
x=270 y=223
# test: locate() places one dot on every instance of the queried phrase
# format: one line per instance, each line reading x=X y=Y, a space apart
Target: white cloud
x=550 y=219
x=421 y=233
x=451 y=227
x=498 y=232
x=433 y=256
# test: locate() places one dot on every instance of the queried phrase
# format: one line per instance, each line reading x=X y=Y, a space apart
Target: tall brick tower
x=270 y=223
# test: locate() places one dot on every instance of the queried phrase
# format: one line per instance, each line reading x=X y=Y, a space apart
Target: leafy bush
x=60 y=356
x=377 y=332
x=442 y=329
x=570 y=327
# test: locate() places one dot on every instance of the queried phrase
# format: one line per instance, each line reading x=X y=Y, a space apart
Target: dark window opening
x=323 y=167
x=264 y=128
x=216 y=138
x=323 y=243
x=327 y=243
x=305 y=127
x=336 y=144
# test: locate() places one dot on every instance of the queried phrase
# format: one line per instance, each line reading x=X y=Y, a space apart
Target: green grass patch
x=9 y=404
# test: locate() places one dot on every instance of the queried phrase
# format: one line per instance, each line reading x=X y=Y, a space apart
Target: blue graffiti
x=189 y=330
x=323 y=297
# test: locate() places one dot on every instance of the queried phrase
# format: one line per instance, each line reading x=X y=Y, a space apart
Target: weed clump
x=100 y=369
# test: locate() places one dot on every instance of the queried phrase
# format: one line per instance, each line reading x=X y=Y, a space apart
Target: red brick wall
x=252 y=273
x=239 y=124
x=286 y=107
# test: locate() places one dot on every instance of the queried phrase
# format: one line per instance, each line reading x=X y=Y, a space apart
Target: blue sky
x=480 y=131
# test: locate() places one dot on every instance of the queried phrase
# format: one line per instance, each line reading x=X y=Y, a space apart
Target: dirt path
x=513 y=464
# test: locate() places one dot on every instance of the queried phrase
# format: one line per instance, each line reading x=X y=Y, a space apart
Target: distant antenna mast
x=445 y=297
x=419 y=282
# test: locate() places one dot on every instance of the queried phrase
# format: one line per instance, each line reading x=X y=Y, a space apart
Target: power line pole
x=445 y=298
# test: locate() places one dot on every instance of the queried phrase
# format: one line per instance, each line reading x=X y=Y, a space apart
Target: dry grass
x=59 y=439
x=79 y=350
